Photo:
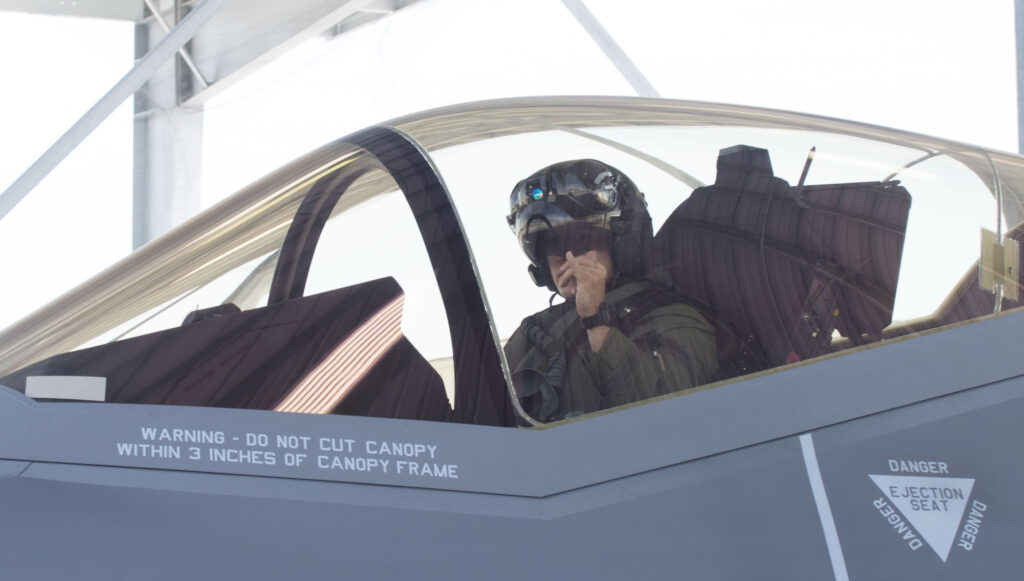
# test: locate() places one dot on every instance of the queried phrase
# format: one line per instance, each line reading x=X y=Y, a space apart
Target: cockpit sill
x=901 y=332
x=671 y=431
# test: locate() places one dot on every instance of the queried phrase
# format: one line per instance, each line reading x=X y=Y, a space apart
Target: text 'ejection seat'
x=785 y=266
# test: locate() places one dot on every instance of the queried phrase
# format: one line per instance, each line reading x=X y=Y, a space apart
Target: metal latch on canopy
x=997 y=270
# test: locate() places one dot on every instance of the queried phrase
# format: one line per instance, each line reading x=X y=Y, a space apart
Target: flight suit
x=657 y=345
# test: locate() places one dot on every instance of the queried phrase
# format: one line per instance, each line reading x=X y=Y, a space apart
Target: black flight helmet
x=581 y=205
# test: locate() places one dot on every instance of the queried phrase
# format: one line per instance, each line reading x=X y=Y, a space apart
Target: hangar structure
x=187 y=51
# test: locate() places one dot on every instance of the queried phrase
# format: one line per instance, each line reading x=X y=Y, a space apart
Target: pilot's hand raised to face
x=583 y=278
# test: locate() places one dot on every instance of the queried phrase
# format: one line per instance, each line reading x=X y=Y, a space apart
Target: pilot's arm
x=671 y=349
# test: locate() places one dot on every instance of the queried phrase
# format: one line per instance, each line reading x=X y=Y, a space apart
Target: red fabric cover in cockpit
x=253 y=359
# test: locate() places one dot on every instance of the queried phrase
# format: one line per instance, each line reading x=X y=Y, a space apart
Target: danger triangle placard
x=933 y=506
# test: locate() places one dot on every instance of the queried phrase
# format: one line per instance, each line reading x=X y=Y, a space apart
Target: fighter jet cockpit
x=379 y=275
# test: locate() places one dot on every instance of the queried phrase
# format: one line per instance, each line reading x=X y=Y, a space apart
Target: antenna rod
x=807 y=166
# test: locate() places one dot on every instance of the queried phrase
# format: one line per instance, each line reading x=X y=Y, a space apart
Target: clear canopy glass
x=789 y=237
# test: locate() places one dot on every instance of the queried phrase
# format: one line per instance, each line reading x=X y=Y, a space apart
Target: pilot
x=617 y=337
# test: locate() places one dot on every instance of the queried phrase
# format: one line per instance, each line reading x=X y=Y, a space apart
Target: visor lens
x=576 y=238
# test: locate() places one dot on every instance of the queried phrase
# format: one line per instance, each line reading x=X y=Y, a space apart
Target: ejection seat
x=781 y=268
x=340 y=351
x=258 y=359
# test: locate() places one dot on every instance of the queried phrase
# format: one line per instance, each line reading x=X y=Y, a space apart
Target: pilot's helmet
x=581 y=205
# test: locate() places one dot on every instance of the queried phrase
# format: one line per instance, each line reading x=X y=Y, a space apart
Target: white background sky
x=940 y=68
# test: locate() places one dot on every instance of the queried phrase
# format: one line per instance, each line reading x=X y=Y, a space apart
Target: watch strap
x=602 y=317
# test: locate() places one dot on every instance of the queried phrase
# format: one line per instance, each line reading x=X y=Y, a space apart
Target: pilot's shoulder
x=662 y=306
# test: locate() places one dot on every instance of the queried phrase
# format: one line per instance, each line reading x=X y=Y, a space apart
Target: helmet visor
x=539 y=220
x=578 y=238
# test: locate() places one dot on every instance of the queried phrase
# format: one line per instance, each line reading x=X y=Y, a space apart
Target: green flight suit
x=657 y=345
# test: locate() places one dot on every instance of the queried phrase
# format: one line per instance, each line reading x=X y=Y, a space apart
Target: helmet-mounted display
x=580 y=205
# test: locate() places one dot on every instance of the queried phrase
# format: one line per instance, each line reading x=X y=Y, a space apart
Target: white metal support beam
x=611 y=49
x=168 y=138
x=1018 y=7
x=169 y=120
x=165 y=49
x=181 y=51
x=244 y=36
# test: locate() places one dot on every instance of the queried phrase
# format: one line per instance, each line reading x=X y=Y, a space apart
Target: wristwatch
x=602 y=317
